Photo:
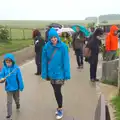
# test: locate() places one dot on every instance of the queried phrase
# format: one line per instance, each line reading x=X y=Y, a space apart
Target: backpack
x=87 y=51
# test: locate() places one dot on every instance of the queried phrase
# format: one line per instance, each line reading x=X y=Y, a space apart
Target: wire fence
x=22 y=33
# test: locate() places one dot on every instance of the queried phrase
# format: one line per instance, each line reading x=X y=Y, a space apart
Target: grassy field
x=18 y=36
x=17 y=33
x=116 y=103
x=14 y=45
x=39 y=23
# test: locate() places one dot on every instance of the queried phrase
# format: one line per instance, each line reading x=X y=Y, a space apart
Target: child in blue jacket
x=13 y=82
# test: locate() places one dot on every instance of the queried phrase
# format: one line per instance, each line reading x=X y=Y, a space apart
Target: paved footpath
x=38 y=102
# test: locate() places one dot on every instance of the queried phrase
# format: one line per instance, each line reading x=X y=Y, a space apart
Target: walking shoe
x=18 y=106
x=59 y=114
x=56 y=112
x=37 y=73
x=92 y=80
x=9 y=117
x=81 y=66
x=96 y=80
x=78 y=67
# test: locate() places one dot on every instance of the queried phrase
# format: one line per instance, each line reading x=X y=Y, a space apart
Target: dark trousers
x=93 y=69
x=79 y=56
x=38 y=62
x=58 y=94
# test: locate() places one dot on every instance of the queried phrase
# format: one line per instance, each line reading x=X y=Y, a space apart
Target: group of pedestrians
x=53 y=62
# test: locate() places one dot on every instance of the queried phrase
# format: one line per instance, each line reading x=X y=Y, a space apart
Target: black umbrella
x=55 y=25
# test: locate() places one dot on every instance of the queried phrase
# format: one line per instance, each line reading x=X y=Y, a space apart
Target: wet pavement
x=38 y=102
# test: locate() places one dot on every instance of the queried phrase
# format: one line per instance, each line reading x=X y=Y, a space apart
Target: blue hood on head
x=53 y=33
x=9 y=56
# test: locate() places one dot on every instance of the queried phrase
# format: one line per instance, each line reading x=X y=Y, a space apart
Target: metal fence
x=22 y=33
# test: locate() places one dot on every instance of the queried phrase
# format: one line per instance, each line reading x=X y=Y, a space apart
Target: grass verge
x=109 y=82
x=14 y=45
x=116 y=103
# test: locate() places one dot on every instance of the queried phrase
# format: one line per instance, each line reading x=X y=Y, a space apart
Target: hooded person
x=56 y=66
x=47 y=33
x=13 y=82
x=78 y=44
x=39 y=43
x=65 y=37
x=92 y=48
x=111 y=43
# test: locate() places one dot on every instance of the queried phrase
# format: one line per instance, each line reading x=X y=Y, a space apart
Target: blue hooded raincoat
x=14 y=81
x=57 y=66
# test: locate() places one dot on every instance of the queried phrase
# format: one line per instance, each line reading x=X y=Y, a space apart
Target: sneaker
x=37 y=73
x=56 y=112
x=92 y=80
x=9 y=117
x=81 y=66
x=96 y=80
x=78 y=67
x=59 y=114
x=18 y=106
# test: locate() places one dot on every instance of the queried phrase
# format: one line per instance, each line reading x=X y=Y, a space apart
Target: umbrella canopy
x=67 y=30
x=55 y=25
x=82 y=29
x=63 y=30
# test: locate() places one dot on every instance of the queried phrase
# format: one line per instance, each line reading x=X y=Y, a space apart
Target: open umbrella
x=55 y=25
x=82 y=29
x=65 y=30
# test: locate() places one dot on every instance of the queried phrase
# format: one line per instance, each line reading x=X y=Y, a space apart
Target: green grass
x=118 y=52
x=30 y=24
x=18 y=33
x=14 y=45
x=116 y=104
x=40 y=23
x=110 y=82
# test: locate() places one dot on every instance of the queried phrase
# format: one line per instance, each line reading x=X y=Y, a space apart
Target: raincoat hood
x=53 y=33
x=113 y=29
x=98 y=32
x=9 y=56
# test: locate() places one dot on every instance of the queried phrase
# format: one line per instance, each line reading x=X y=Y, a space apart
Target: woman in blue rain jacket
x=56 y=66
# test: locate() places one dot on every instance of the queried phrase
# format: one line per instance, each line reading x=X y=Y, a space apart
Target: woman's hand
x=2 y=80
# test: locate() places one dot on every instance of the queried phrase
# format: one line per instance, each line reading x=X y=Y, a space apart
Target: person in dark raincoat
x=93 y=46
x=39 y=43
x=34 y=34
x=46 y=33
x=78 y=44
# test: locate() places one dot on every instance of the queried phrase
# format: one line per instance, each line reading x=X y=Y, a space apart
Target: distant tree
x=4 y=34
x=105 y=21
x=91 y=25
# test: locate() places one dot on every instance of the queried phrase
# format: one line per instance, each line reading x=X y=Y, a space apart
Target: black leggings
x=58 y=94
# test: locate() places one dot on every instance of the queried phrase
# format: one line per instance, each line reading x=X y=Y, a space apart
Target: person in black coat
x=94 y=45
x=39 y=43
x=46 y=33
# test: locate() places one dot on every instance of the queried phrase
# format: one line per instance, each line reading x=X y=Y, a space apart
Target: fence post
x=10 y=34
x=23 y=34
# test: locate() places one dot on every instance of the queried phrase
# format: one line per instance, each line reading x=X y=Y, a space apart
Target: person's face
x=54 y=40
x=78 y=29
x=8 y=62
x=115 y=32
x=60 y=34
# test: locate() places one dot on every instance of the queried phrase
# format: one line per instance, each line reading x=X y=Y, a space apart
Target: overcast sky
x=56 y=9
